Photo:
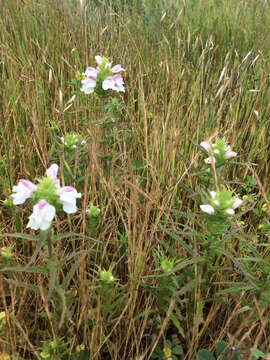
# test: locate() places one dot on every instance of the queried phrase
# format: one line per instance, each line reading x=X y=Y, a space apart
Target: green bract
x=106 y=276
x=46 y=190
x=103 y=73
x=167 y=265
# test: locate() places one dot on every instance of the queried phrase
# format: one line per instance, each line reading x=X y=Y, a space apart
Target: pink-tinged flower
x=22 y=191
x=114 y=83
x=206 y=146
x=90 y=80
x=67 y=197
x=237 y=202
x=42 y=216
x=207 y=209
x=88 y=84
x=90 y=71
x=210 y=160
x=229 y=211
x=99 y=60
x=52 y=173
x=117 y=68
x=229 y=154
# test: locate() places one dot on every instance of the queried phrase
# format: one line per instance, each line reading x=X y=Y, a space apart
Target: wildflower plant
x=102 y=78
x=219 y=209
x=93 y=214
x=47 y=198
x=72 y=142
x=108 y=292
x=219 y=152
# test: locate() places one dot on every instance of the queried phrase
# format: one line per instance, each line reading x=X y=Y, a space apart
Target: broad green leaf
x=205 y=355
x=222 y=348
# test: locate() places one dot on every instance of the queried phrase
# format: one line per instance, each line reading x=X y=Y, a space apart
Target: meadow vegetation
x=139 y=271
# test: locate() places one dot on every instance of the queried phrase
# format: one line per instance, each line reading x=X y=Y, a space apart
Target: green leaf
x=70 y=275
x=257 y=354
x=177 y=325
x=177 y=350
x=176 y=238
x=35 y=270
x=61 y=293
x=53 y=275
x=21 y=236
x=26 y=286
x=222 y=348
x=205 y=355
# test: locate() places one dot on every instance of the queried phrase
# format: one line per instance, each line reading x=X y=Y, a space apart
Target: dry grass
x=188 y=76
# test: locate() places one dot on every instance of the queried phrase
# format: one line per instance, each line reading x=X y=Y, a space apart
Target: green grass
x=194 y=69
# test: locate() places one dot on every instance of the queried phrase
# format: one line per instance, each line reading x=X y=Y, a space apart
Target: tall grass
x=194 y=69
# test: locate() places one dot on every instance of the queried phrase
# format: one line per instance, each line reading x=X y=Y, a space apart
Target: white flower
x=229 y=154
x=67 y=197
x=237 y=202
x=42 y=216
x=99 y=60
x=90 y=80
x=90 y=71
x=210 y=160
x=213 y=194
x=22 y=191
x=114 y=83
x=207 y=209
x=206 y=146
x=117 y=68
x=229 y=211
x=88 y=85
x=52 y=173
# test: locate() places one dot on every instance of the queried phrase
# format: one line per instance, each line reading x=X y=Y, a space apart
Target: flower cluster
x=104 y=77
x=47 y=196
x=219 y=152
x=72 y=141
x=221 y=203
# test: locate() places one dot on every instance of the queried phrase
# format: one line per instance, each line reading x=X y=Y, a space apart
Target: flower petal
x=206 y=146
x=42 y=216
x=210 y=160
x=22 y=191
x=52 y=173
x=237 y=202
x=117 y=68
x=67 y=197
x=213 y=194
x=230 y=154
x=207 y=209
x=229 y=211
